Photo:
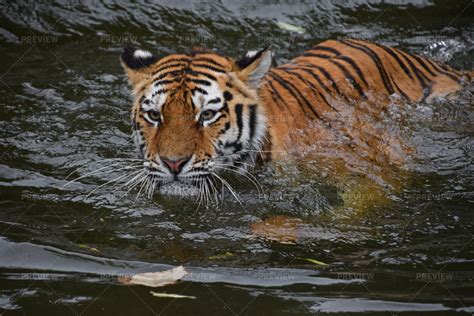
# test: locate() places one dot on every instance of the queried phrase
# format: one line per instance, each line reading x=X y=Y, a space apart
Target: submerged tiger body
x=199 y=113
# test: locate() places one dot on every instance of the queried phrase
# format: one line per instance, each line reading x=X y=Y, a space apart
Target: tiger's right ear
x=136 y=63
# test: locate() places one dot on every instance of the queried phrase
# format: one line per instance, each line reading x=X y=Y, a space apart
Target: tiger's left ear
x=136 y=63
x=254 y=66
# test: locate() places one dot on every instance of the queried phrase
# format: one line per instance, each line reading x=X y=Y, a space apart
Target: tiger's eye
x=154 y=115
x=207 y=115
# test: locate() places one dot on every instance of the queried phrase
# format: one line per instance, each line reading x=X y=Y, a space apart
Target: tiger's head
x=195 y=115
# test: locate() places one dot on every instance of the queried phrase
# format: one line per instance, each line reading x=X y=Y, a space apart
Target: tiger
x=199 y=113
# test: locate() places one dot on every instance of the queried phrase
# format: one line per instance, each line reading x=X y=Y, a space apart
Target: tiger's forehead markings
x=154 y=98
x=208 y=97
x=197 y=72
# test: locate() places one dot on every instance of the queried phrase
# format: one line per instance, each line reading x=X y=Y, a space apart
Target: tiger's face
x=194 y=116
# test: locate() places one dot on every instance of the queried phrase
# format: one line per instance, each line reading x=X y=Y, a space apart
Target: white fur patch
x=200 y=100
x=157 y=99
x=251 y=53
x=142 y=54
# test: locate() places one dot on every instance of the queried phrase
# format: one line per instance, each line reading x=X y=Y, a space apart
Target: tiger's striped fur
x=205 y=112
x=311 y=85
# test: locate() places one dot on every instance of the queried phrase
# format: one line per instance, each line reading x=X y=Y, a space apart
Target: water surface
x=65 y=103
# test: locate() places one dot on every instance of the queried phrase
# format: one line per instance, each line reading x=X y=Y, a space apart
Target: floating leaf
x=291 y=27
x=156 y=279
x=84 y=246
x=221 y=256
x=168 y=295
x=315 y=261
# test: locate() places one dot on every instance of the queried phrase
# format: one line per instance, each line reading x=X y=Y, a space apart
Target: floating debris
x=84 y=246
x=223 y=256
x=315 y=261
x=156 y=279
x=291 y=28
x=168 y=295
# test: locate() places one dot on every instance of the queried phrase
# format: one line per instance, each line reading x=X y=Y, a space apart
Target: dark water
x=64 y=104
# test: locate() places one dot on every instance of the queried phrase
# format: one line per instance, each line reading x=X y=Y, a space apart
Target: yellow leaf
x=221 y=256
x=315 y=261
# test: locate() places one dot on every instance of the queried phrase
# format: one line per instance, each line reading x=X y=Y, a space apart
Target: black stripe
x=224 y=108
x=197 y=73
x=401 y=91
x=316 y=55
x=448 y=73
x=293 y=91
x=356 y=67
x=183 y=59
x=308 y=68
x=433 y=64
x=378 y=63
x=313 y=87
x=328 y=76
x=277 y=94
x=214 y=101
x=326 y=49
x=312 y=74
x=157 y=83
x=318 y=79
x=220 y=70
x=252 y=120
x=242 y=92
x=349 y=77
x=238 y=114
x=338 y=54
x=167 y=67
x=192 y=102
x=422 y=63
x=218 y=119
x=445 y=67
x=226 y=128
x=209 y=60
x=391 y=52
x=199 y=81
x=169 y=73
x=160 y=91
x=199 y=90
x=402 y=65
x=422 y=80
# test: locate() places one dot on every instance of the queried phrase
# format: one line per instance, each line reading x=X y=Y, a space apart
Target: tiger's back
x=313 y=85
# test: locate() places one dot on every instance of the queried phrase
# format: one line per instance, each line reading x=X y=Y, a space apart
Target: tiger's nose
x=175 y=164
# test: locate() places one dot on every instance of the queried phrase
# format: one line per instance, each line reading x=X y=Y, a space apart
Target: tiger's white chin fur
x=179 y=189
